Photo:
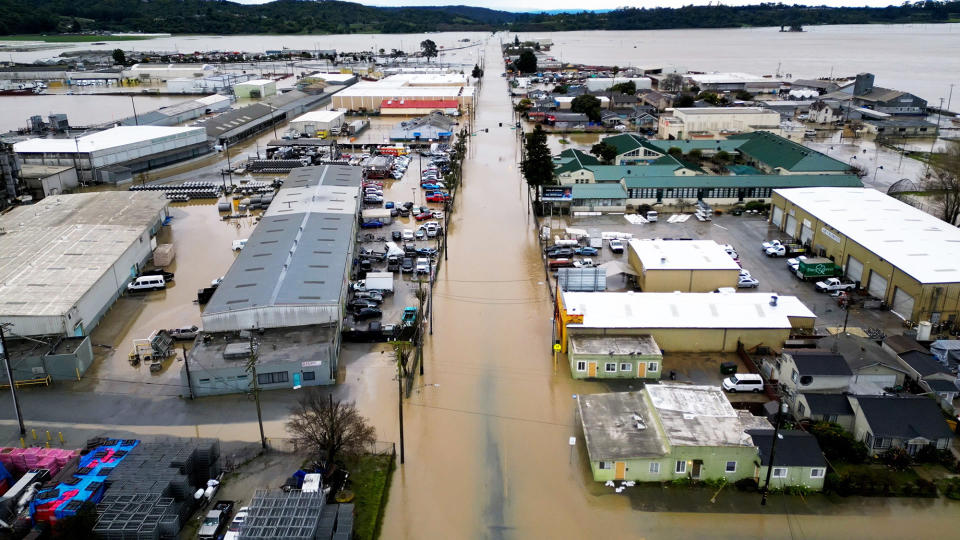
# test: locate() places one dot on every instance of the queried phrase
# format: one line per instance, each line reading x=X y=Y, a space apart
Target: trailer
x=154 y=349
x=817 y=268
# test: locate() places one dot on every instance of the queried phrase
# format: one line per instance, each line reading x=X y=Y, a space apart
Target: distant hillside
x=334 y=17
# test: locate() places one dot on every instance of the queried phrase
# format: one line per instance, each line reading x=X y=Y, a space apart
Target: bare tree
x=329 y=428
x=673 y=82
x=943 y=183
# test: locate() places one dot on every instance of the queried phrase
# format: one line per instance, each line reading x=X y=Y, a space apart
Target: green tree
x=516 y=41
x=523 y=106
x=943 y=183
x=537 y=164
x=428 y=48
x=722 y=156
x=527 y=63
x=75 y=26
x=743 y=95
x=837 y=444
x=477 y=72
x=588 y=105
x=119 y=57
x=710 y=97
x=684 y=100
x=560 y=89
x=674 y=151
x=605 y=151
x=695 y=155
x=629 y=88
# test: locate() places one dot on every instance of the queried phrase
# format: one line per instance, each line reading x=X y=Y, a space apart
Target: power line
x=490 y=415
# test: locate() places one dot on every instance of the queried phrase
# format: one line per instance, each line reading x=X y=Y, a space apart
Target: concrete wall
x=942 y=298
x=69 y=361
x=686 y=280
x=714 y=465
x=234 y=379
x=641 y=367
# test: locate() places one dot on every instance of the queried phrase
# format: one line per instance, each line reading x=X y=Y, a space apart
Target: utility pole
x=10 y=379
x=934 y=143
x=252 y=368
x=773 y=450
x=950 y=97
x=186 y=367
x=400 y=405
x=136 y=119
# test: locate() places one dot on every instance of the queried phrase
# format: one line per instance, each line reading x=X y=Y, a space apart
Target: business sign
x=830 y=234
x=557 y=194
x=311 y=363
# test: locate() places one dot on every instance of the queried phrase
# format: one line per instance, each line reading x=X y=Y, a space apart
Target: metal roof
x=918 y=244
x=291 y=271
x=233 y=119
x=53 y=252
x=104 y=140
x=682 y=255
x=599 y=191
x=319 y=116
x=827 y=181
x=778 y=152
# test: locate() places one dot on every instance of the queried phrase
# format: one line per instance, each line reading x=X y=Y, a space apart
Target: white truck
x=835 y=284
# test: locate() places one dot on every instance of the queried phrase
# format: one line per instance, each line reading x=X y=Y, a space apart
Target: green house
x=622 y=357
x=798 y=460
x=666 y=432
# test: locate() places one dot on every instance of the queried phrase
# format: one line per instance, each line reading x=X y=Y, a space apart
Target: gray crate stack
x=150 y=493
x=278 y=515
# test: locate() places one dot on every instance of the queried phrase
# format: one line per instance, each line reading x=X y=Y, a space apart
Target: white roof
x=102 y=140
x=255 y=82
x=732 y=77
x=426 y=92
x=212 y=100
x=701 y=416
x=723 y=110
x=682 y=255
x=333 y=77
x=683 y=310
x=319 y=116
x=920 y=245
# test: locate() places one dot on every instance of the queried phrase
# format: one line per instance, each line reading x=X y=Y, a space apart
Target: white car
x=744 y=273
x=616 y=245
x=233 y=530
x=239 y=244
x=747 y=282
x=770 y=244
x=423 y=265
x=407 y=235
x=793 y=264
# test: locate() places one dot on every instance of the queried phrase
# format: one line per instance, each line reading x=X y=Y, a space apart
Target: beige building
x=716 y=122
x=898 y=254
x=681 y=265
x=683 y=322
x=368 y=95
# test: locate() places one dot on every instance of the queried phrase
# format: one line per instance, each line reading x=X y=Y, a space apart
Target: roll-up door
x=806 y=235
x=777 y=216
x=854 y=269
x=877 y=286
x=791 y=228
x=902 y=303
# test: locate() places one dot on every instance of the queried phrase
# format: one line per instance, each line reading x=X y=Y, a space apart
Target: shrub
x=838 y=445
x=757 y=205
x=951 y=488
x=896 y=458
x=746 y=484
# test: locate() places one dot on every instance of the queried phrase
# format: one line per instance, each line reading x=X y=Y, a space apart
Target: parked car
x=408 y=205
x=769 y=244
x=743 y=382
x=561 y=263
x=560 y=253
x=358 y=304
x=367 y=313
x=372 y=199
x=389 y=204
x=835 y=284
x=616 y=245
x=406 y=265
x=409 y=316
x=396 y=235
x=422 y=216
x=403 y=212
x=421 y=233
x=587 y=250
x=370 y=296
x=426 y=252
x=393 y=263
x=423 y=265
x=372 y=224
x=146 y=284
x=233 y=530
x=747 y=282
x=238 y=244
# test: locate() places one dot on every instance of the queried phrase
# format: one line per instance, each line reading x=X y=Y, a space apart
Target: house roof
x=681 y=255
x=573 y=160
x=820 y=363
x=701 y=416
x=901 y=343
x=775 y=181
x=828 y=404
x=941 y=385
x=905 y=417
x=778 y=152
x=795 y=448
x=619 y=425
x=923 y=363
x=862 y=352
x=602 y=173
x=625 y=142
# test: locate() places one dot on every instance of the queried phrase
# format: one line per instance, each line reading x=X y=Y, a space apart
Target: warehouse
x=682 y=265
x=417 y=107
x=684 y=322
x=202 y=85
x=716 y=122
x=317 y=123
x=898 y=254
x=180 y=113
x=287 y=288
x=44 y=180
x=255 y=89
x=369 y=96
x=137 y=148
x=66 y=259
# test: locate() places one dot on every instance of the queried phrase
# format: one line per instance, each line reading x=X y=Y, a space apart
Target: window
x=204 y=381
x=626 y=367
x=779 y=472
x=941 y=444
x=801 y=409
x=654 y=468
x=581 y=366
x=731 y=467
x=605 y=465
x=241 y=377
x=881 y=443
x=309 y=376
x=681 y=467
x=653 y=366
x=273 y=378
x=817 y=472
x=795 y=377
x=610 y=367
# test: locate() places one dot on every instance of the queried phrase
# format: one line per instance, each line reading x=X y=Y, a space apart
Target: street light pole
x=10 y=379
x=773 y=449
x=400 y=406
x=252 y=368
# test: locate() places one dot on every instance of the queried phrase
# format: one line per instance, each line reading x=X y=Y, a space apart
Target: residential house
x=657 y=100
x=566 y=120
x=901 y=128
x=818 y=407
x=665 y=432
x=825 y=112
x=798 y=460
x=908 y=422
x=927 y=372
x=863 y=93
x=616 y=357
x=803 y=370
x=870 y=363
x=572 y=167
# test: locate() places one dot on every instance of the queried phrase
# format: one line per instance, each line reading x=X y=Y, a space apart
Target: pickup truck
x=835 y=284
x=215 y=519
x=585 y=263
x=784 y=250
x=769 y=244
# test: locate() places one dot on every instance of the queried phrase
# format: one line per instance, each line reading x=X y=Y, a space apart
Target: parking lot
x=745 y=233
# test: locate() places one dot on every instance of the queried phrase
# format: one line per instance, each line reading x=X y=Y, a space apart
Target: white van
x=147 y=283
x=652 y=216
x=743 y=382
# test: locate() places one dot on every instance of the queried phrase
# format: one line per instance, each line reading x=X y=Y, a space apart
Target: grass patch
x=370 y=480
x=64 y=38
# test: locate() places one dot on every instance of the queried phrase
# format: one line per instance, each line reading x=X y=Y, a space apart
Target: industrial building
x=315 y=123
x=431 y=87
x=169 y=71
x=684 y=322
x=283 y=297
x=255 y=89
x=201 y=85
x=43 y=180
x=132 y=148
x=897 y=253
x=66 y=259
x=681 y=265
x=666 y=432
x=733 y=81
x=435 y=127
x=416 y=107
x=180 y=113
x=864 y=94
x=716 y=122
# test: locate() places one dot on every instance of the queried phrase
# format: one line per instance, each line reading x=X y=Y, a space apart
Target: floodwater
x=81 y=109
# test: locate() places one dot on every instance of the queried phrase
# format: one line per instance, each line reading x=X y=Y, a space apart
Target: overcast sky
x=538 y=5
